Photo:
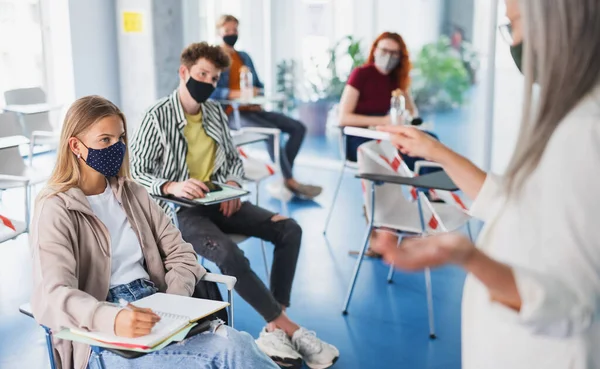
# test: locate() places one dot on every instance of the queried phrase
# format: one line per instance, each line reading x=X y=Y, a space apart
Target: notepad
x=177 y=313
x=227 y=193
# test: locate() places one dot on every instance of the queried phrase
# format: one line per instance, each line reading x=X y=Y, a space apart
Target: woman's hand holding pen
x=134 y=322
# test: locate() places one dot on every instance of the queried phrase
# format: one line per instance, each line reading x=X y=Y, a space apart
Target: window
x=22 y=55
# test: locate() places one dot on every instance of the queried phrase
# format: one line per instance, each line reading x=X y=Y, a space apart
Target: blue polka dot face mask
x=106 y=161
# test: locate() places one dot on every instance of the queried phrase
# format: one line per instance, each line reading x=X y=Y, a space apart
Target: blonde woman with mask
x=532 y=296
x=98 y=237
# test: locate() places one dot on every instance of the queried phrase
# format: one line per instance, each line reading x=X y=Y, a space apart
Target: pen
x=125 y=304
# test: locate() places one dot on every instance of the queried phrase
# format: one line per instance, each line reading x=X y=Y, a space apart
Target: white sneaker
x=279 y=348
x=316 y=353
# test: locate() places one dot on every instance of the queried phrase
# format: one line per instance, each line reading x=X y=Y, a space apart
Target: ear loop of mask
x=79 y=154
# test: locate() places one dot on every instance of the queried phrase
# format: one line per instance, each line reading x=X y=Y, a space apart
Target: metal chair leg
x=428 y=286
x=362 y=251
x=97 y=351
x=264 y=254
x=230 y=308
x=430 y=304
x=284 y=207
x=391 y=272
x=262 y=242
x=469 y=230
x=31 y=146
x=50 y=347
x=257 y=185
x=173 y=208
x=335 y=195
x=27 y=190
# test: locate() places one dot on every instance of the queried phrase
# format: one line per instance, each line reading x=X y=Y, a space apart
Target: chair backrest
x=11 y=162
x=25 y=96
x=333 y=123
x=29 y=96
x=394 y=204
x=373 y=158
x=255 y=169
x=9 y=125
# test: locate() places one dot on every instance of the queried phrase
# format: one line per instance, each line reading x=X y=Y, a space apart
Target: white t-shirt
x=127 y=260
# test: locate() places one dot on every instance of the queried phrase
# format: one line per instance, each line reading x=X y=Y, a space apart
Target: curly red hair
x=402 y=71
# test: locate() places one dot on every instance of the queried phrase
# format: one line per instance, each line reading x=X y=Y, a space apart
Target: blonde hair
x=561 y=53
x=225 y=18
x=83 y=113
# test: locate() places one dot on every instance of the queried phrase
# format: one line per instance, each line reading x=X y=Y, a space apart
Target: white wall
x=94 y=48
x=58 y=53
x=461 y=13
x=418 y=21
x=136 y=62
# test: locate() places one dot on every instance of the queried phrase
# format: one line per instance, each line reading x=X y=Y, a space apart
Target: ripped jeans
x=207 y=230
x=221 y=347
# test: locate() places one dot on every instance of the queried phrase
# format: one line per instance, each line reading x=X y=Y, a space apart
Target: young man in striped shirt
x=184 y=141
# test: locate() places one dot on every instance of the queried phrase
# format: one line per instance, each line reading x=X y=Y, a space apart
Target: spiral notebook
x=176 y=312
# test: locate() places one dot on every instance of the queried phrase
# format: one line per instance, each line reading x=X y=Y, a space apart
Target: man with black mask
x=182 y=144
x=253 y=116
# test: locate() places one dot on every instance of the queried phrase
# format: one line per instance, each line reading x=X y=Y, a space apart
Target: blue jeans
x=222 y=348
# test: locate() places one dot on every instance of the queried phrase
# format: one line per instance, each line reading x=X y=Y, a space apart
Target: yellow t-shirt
x=201 y=148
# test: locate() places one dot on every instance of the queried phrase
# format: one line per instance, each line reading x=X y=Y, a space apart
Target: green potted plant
x=440 y=79
x=285 y=84
x=324 y=85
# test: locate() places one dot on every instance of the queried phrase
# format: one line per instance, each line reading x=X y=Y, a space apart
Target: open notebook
x=176 y=312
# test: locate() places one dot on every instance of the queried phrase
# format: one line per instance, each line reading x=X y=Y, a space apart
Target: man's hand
x=228 y=208
x=190 y=189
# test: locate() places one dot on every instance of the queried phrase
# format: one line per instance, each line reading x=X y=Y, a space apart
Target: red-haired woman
x=366 y=98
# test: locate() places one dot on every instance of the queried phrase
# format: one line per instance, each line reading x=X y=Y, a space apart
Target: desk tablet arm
x=275 y=132
x=380 y=179
x=420 y=164
x=227 y=280
x=17 y=180
x=263 y=130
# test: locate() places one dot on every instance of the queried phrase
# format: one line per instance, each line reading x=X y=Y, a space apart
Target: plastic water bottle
x=246 y=83
x=397 y=108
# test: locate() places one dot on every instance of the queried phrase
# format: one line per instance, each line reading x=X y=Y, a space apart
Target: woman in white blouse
x=532 y=297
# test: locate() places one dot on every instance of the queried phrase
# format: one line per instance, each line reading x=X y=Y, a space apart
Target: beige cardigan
x=71 y=262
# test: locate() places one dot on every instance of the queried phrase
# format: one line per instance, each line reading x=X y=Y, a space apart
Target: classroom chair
x=346 y=165
x=390 y=210
x=36 y=127
x=228 y=281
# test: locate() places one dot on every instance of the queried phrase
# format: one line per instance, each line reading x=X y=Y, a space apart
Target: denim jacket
x=222 y=90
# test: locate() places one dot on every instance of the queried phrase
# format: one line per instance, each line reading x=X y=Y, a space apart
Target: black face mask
x=517 y=53
x=230 y=39
x=200 y=91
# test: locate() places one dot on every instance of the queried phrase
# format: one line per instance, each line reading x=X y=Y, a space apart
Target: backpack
x=210 y=291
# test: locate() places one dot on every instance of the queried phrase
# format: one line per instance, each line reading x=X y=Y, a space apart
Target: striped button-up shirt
x=159 y=148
